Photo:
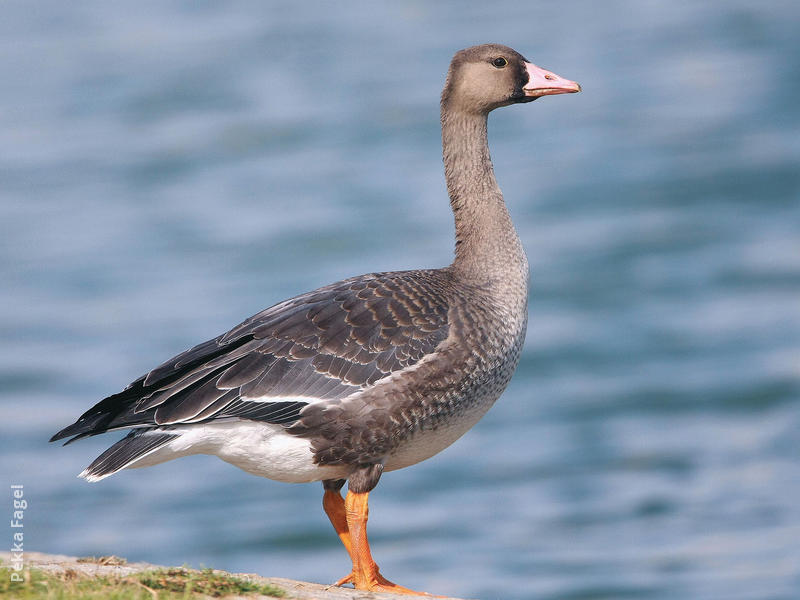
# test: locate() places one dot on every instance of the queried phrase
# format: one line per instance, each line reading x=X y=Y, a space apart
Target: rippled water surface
x=170 y=168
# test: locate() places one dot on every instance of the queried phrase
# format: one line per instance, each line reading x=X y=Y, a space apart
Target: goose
x=366 y=375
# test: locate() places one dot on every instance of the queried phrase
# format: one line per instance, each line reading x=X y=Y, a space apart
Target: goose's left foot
x=373 y=581
x=349 y=518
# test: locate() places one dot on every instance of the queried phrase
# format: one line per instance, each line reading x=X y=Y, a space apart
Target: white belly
x=259 y=448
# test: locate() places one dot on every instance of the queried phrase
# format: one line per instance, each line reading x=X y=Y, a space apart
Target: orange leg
x=365 y=574
x=333 y=504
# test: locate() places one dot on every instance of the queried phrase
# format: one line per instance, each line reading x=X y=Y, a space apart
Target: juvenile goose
x=366 y=375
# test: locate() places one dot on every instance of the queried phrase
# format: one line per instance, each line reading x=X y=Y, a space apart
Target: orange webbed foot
x=375 y=582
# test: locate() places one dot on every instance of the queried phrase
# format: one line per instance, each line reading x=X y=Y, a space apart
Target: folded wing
x=323 y=345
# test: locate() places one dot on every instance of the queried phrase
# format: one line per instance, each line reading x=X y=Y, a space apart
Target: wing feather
x=245 y=370
x=189 y=403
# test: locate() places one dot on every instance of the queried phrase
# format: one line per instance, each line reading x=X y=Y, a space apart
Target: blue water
x=168 y=169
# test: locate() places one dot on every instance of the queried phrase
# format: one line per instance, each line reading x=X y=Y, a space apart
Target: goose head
x=482 y=78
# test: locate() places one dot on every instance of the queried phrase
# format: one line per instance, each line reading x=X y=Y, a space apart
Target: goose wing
x=323 y=345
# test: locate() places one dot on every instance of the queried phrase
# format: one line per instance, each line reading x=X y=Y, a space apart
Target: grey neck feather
x=487 y=245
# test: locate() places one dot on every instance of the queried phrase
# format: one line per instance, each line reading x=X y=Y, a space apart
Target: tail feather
x=135 y=446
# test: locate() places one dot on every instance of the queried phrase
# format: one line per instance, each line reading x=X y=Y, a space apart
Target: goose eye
x=500 y=62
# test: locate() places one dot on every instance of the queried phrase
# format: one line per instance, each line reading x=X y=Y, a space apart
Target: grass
x=156 y=584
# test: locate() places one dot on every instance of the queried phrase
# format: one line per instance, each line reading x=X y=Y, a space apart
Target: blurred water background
x=169 y=168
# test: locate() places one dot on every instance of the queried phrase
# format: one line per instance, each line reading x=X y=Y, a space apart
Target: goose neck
x=486 y=241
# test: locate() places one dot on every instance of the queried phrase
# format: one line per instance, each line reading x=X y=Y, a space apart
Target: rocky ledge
x=115 y=569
